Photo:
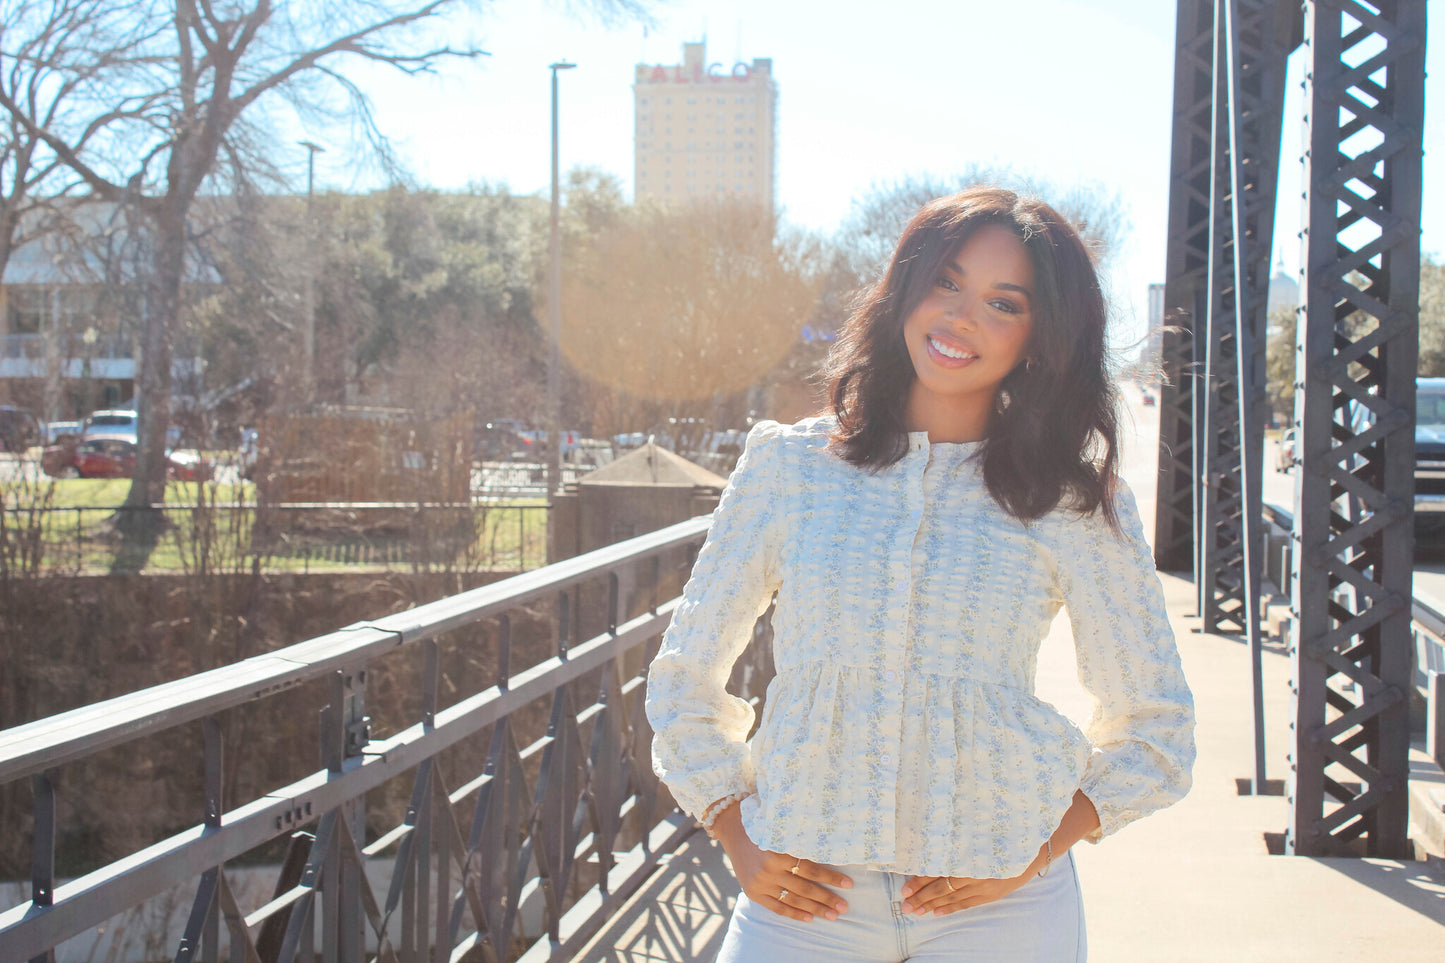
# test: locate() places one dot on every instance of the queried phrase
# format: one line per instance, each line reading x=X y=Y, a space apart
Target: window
x=26 y=309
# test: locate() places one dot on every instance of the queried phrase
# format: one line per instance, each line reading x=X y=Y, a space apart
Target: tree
x=179 y=79
x=872 y=228
x=674 y=311
x=1432 y=318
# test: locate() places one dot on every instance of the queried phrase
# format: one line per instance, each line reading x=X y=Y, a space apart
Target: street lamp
x=309 y=307
x=554 y=312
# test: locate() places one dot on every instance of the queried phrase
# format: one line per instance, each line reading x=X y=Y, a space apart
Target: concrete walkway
x=1192 y=883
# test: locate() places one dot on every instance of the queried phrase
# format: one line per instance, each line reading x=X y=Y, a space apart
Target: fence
x=475 y=535
x=563 y=825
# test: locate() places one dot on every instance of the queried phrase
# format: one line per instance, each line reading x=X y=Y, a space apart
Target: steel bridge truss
x=1355 y=361
x=1356 y=357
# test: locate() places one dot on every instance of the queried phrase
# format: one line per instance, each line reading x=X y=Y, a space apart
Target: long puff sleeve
x=1142 y=727
x=699 y=747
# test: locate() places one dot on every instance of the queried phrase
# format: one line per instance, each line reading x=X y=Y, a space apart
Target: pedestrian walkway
x=1192 y=883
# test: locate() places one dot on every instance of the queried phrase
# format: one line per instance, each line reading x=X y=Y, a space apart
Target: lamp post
x=308 y=379
x=554 y=313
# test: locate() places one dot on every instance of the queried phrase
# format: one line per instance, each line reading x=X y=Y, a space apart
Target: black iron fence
x=502 y=821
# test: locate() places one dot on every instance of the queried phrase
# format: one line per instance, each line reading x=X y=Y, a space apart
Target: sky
x=1067 y=90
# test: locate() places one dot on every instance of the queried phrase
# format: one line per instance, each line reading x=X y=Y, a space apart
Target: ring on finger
x=782 y=896
x=949 y=883
x=794 y=870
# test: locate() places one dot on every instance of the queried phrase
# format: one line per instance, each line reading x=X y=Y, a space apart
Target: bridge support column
x=1356 y=359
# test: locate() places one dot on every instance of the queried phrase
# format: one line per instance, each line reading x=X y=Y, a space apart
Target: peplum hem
x=995 y=761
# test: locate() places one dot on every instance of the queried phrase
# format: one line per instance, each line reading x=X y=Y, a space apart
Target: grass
x=73 y=521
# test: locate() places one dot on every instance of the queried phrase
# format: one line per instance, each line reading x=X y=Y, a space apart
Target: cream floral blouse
x=901 y=731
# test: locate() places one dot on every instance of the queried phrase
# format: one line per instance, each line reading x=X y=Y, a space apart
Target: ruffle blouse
x=902 y=731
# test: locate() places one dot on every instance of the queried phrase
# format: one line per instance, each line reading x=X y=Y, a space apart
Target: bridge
x=515 y=816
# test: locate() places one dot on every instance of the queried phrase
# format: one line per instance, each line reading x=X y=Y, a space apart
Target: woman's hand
x=941 y=895
x=784 y=884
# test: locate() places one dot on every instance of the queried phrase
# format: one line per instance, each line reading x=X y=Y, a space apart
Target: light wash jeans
x=1040 y=922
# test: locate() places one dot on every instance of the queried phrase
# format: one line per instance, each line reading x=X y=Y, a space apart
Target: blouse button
x=889 y=676
x=886 y=759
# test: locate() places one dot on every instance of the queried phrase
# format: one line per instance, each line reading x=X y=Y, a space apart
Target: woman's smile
x=949 y=353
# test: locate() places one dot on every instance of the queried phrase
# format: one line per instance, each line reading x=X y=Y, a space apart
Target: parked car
x=113 y=456
x=122 y=421
x=58 y=432
x=99 y=456
x=19 y=429
x=187 y=464
x=1285 y=458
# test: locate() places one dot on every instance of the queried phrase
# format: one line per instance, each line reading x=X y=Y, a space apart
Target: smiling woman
x=988 y=269
x=906 y=795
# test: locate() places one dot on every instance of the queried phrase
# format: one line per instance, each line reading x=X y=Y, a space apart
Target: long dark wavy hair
x=1053 y=438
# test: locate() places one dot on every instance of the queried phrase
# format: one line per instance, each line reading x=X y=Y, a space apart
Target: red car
x=111 y=456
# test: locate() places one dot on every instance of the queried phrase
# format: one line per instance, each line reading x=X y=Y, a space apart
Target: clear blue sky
x=868 y=92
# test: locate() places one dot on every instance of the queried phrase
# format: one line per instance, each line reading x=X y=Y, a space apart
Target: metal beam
x=1356 y=356
x=1186 y=266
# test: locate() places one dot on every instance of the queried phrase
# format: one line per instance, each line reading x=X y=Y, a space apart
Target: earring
x=1029 y=365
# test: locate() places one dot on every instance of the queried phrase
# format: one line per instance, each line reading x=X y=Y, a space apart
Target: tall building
x=703 y=130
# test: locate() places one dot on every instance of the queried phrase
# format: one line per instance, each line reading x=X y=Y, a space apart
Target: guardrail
x=564 y=826
x=1427 y=626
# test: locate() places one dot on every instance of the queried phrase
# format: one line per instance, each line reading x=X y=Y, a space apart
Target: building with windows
x=703 y=130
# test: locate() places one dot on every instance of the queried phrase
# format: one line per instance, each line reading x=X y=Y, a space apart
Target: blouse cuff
x=711 y=813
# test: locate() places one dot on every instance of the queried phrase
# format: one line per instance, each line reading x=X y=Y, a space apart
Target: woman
x=919 y=541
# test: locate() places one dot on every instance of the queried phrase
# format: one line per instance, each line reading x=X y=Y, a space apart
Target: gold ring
x=949 y=883
x=794 y=870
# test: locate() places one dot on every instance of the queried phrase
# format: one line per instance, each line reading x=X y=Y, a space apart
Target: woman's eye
x=947 y=284
x=1008 y=307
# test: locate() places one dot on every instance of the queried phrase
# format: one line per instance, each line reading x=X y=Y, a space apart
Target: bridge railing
x=521 y=856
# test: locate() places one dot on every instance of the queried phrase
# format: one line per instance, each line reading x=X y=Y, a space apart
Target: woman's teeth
x=947 y=352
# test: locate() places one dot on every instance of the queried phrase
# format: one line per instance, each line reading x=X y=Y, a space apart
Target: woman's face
x=973 y=326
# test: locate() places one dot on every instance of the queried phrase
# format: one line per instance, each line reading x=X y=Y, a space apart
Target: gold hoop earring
x=1029 y=365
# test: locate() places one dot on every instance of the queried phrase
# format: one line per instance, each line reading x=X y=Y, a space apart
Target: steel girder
x=1251 y=46
x=1356 y=357
x=1185 y=275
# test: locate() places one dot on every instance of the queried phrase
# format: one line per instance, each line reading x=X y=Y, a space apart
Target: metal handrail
x=581 y=799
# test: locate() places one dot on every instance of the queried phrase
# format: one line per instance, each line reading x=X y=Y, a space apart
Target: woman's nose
x=960 y=312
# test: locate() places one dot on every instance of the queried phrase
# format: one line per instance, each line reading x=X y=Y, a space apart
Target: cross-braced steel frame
x=1251 y=44
x=1229 y=97
x=1356 y=362
x=1356 y=357
x=1185 y=277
